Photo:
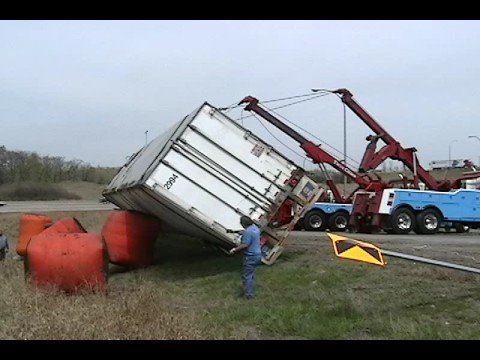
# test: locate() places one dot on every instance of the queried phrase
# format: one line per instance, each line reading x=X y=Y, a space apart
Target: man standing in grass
x=3 y=245
x=253 y=256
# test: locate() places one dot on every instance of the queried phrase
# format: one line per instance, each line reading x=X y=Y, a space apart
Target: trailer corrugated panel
x=202 y=174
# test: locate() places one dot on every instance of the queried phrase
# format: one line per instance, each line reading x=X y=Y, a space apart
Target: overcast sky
x=89 y=90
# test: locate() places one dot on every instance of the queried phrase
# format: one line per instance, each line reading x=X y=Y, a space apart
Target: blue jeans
x=250 y=263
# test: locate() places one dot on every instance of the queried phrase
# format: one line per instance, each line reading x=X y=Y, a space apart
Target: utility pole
x=344 y=141
x=450 y=153
x=344 y=149
x=475 y=137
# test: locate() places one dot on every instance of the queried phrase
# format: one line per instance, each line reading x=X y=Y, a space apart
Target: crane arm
x=317 y=154
x=392 y=149
x=347 y=99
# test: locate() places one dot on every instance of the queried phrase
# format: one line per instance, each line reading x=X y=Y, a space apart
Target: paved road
x=470 y=238
x=457 y=248
x=49 y=206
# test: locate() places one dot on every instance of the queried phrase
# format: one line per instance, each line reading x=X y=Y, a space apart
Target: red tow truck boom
x=317 y=154
x=393 y=150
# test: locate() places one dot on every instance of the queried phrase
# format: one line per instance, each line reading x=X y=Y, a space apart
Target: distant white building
x=447 y=164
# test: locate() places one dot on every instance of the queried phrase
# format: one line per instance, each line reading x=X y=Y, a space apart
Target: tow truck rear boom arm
x=392 y=149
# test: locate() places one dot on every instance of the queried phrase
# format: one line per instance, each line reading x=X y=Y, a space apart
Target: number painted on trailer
x=170 y=182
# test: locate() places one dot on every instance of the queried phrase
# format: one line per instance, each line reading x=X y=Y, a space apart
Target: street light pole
x=146 y=137
x=344 y=140
x=475 y=137
x=450 y=152
x=344 y=149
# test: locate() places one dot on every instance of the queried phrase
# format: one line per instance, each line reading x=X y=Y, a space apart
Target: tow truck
x=375 y=204
x=403 y=210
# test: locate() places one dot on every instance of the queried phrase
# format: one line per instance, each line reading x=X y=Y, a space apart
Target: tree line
x=21 y=166
x=319 y=177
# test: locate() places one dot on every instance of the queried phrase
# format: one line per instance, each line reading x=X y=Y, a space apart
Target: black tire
x=428 y=221
x=298 y=226
x=402 y=221
x=338 y=221
x=460 y=228
x=315 y=220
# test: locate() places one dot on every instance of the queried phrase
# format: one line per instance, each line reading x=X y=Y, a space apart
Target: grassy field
x=85 y=190
x=192 y=292
x=75 y=190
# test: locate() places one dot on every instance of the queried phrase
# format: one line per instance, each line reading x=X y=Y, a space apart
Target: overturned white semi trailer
x=205 y=172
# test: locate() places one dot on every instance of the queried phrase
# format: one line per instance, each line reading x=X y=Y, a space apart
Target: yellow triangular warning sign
x=356 y=250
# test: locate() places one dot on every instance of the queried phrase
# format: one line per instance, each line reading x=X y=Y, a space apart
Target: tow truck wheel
x=315 y=221
x=428 y=221
x=338 y=221
x=402 y=221
x=460 y=228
